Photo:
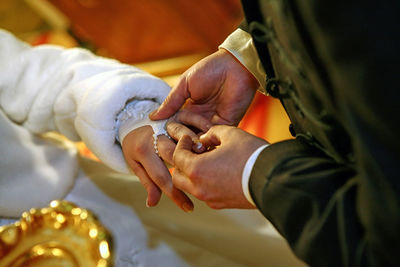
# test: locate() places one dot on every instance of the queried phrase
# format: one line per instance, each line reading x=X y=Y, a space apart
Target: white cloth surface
x=39 y=169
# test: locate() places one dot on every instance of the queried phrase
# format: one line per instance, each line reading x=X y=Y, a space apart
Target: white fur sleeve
x=72 y=91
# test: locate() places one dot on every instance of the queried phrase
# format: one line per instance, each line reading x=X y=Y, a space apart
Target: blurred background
x=162 y=37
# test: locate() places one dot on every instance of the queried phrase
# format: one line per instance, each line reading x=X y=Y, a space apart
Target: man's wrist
x=240 y=45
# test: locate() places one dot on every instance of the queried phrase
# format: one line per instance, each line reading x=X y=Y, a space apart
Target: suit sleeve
x=334 y=214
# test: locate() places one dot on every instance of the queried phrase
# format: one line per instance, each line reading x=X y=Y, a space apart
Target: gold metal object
x=61 y=235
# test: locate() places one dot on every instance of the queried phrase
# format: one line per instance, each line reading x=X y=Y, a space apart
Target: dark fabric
x=334 y=191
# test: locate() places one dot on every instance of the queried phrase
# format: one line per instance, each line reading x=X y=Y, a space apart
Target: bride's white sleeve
x=73 y=92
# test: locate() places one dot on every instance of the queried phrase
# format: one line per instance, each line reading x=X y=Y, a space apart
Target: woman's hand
x=139 y=153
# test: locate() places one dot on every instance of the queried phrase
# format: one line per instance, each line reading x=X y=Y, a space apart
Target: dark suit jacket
x=334 y=191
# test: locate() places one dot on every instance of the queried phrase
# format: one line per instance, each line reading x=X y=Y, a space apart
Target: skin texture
x=139 y=153
x=220 y=89
x=215 y=176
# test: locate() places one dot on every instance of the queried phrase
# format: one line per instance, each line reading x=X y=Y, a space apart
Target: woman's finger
x=166 y=148
x=153 y=191
x=140 y=154
x=160 y=175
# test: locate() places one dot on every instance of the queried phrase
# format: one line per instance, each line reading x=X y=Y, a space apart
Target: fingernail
x=187 y=207
x=147 y=203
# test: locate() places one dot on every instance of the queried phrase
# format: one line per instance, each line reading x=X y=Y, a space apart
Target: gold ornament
x=60 y=235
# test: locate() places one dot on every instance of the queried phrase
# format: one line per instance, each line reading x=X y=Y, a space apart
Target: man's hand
x=215 y=176
x=217 y=87
x=147 y=165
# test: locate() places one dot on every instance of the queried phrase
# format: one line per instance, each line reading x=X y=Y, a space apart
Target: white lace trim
x=135 y=115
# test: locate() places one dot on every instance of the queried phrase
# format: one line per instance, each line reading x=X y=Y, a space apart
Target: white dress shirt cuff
x=241 y=46
x=247 y=171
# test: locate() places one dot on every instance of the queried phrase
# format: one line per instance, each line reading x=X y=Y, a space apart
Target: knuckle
x=141 y=149
x=194 y=173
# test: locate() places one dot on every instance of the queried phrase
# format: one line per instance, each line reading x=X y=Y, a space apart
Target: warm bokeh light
x=104 y=250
